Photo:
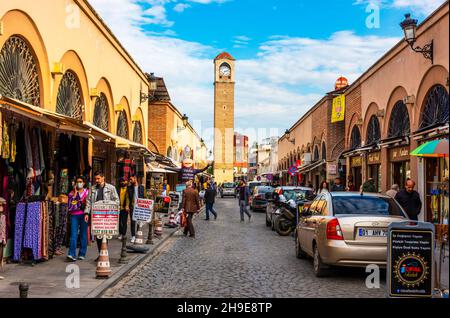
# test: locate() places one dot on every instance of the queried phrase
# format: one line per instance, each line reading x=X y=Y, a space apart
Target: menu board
x=105 y=218
x=410 y=260
x=143 y=210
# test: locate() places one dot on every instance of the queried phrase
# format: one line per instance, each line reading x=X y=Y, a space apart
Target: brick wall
x=157 y=118
x=352 y=112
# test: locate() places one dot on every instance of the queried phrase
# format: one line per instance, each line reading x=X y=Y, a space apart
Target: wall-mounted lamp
x=288 y=136
x=185 y=120
x=153 y=81
x=409 y=27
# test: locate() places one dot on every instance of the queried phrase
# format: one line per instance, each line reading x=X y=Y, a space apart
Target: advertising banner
x=143 y=210
x=338 y=112
x=105 y=218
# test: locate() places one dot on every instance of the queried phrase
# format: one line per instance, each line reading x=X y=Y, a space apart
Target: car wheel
x=320 y=269
x=298 y=249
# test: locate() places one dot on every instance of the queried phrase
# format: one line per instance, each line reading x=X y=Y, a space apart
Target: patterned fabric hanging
x=5 y=142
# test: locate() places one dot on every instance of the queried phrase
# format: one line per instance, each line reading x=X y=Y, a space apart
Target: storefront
x=355 y=175
x=374 y=168
x=399 y=165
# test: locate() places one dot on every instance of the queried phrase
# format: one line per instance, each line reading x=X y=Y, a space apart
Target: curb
x=127 y=268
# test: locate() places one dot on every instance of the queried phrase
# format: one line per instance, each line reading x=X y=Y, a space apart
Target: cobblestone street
x=233 y=259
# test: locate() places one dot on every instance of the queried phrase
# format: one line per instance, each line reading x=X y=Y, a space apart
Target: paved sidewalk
x=48 y=279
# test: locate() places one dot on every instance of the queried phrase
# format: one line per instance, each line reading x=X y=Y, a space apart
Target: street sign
x=143 y=210
x=410 y=259
x=105 y=218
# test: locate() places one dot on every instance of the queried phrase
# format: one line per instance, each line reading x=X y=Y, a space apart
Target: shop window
x=137 y=133
x=19 y=76
x=399 y=125
x=101 y=113
x=69 y=101
x=122 y=125
x=435 y=111
x=373 y=131
x=324 y=151
x=316 y=153
x=355 y=139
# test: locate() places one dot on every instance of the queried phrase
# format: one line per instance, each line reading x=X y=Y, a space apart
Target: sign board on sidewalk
x=105 y=218
x=143 y=210
x=410 y=259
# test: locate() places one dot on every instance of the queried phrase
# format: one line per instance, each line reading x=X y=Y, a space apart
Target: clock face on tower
x=225 y=70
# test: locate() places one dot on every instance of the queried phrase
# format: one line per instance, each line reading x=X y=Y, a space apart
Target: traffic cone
x=172 y=223
x=103 y=266
x=158 y=228
x=139 y=234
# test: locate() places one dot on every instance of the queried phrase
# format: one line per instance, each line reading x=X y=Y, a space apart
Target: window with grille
x=399 y=125
x=436 y=107
x=19 y=74
x=373 y=131
x=69 y=101
x=355 y=139
x=137 y=133
x=101 y=113
x=122 y=125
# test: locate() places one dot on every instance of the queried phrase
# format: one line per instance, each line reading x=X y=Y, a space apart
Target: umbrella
x=435 y=148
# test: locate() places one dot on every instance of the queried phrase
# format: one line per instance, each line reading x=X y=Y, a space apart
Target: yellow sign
x=122 y=144
x=338 y=112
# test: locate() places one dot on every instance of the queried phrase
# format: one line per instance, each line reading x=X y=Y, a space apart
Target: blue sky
x=289 y=52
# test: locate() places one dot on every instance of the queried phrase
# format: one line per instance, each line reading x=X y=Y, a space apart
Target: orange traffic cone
x=103 y=266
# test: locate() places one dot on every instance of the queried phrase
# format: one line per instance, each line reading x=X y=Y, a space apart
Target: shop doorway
x=436 y=178
x=357 y=177
x=374 y=172
x=401 y=172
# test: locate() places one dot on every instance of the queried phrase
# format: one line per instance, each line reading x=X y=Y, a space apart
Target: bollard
x=150 y=233
x=23 y=290
x=123 y=254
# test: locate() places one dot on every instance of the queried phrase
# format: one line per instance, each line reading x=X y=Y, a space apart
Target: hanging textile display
x=13 y=143
x=5 y=142
x=27 y=232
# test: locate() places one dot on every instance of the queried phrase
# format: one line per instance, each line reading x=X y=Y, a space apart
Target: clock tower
x=224 y=118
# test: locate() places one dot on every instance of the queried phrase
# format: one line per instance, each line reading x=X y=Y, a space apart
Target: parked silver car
x=346 y=229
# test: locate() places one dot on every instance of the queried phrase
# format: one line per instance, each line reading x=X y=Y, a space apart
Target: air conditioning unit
x=306 y=159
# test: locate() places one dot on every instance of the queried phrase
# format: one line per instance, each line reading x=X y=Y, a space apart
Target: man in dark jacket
x=135 y=191
x=410 y=200
x=337 y=186
x=244 y=194
x=191 y=205
x=210 y=196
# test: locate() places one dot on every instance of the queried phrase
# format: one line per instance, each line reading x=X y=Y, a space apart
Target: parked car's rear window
x=369 y=205
x=228 y=185
x=264 y=189
x=298 y=194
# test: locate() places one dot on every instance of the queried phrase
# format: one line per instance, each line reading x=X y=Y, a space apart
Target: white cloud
x=273 y=89
x=180 y=7
x=424 y=7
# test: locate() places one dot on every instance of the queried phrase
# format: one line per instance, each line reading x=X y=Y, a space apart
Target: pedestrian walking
x=337 y=186
x=78 y=224
x=393 y=191
x=409 y=199
x=191 y=206
x=124 y=207
x=324 y=187
x=135 y=191
x=244 y=194
x=210 y=196
x=101 y=191
x=369 y=186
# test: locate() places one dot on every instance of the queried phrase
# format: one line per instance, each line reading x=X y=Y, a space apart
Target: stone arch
x=72 y=62
x=372 y=110
x=436 y=75
x=398 y=94
x=104 y=87
x=353 y=120
x=20 y=24
x=139 y=117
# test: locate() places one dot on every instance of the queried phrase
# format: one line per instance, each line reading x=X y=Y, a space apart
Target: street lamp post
x=409 y=27
x=288 y=136
x=152 y=89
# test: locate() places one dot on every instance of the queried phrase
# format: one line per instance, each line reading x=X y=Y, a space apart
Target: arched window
x=324 y=151
x=169 y=152
x=399 y=122
x=69 y=101
x=122 y=125
x=373 y=131
x=355 y=139
x=101 y=113
x=137 y=133
x=19 y=76
x=435 y=111
x=316 y=153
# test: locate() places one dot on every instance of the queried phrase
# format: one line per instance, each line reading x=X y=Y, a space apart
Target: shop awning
x=158 y=169
x=120 y=142
x=58 y=121
x=311 y=166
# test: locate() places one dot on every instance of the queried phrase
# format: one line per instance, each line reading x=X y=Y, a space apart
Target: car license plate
x=373 y=232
